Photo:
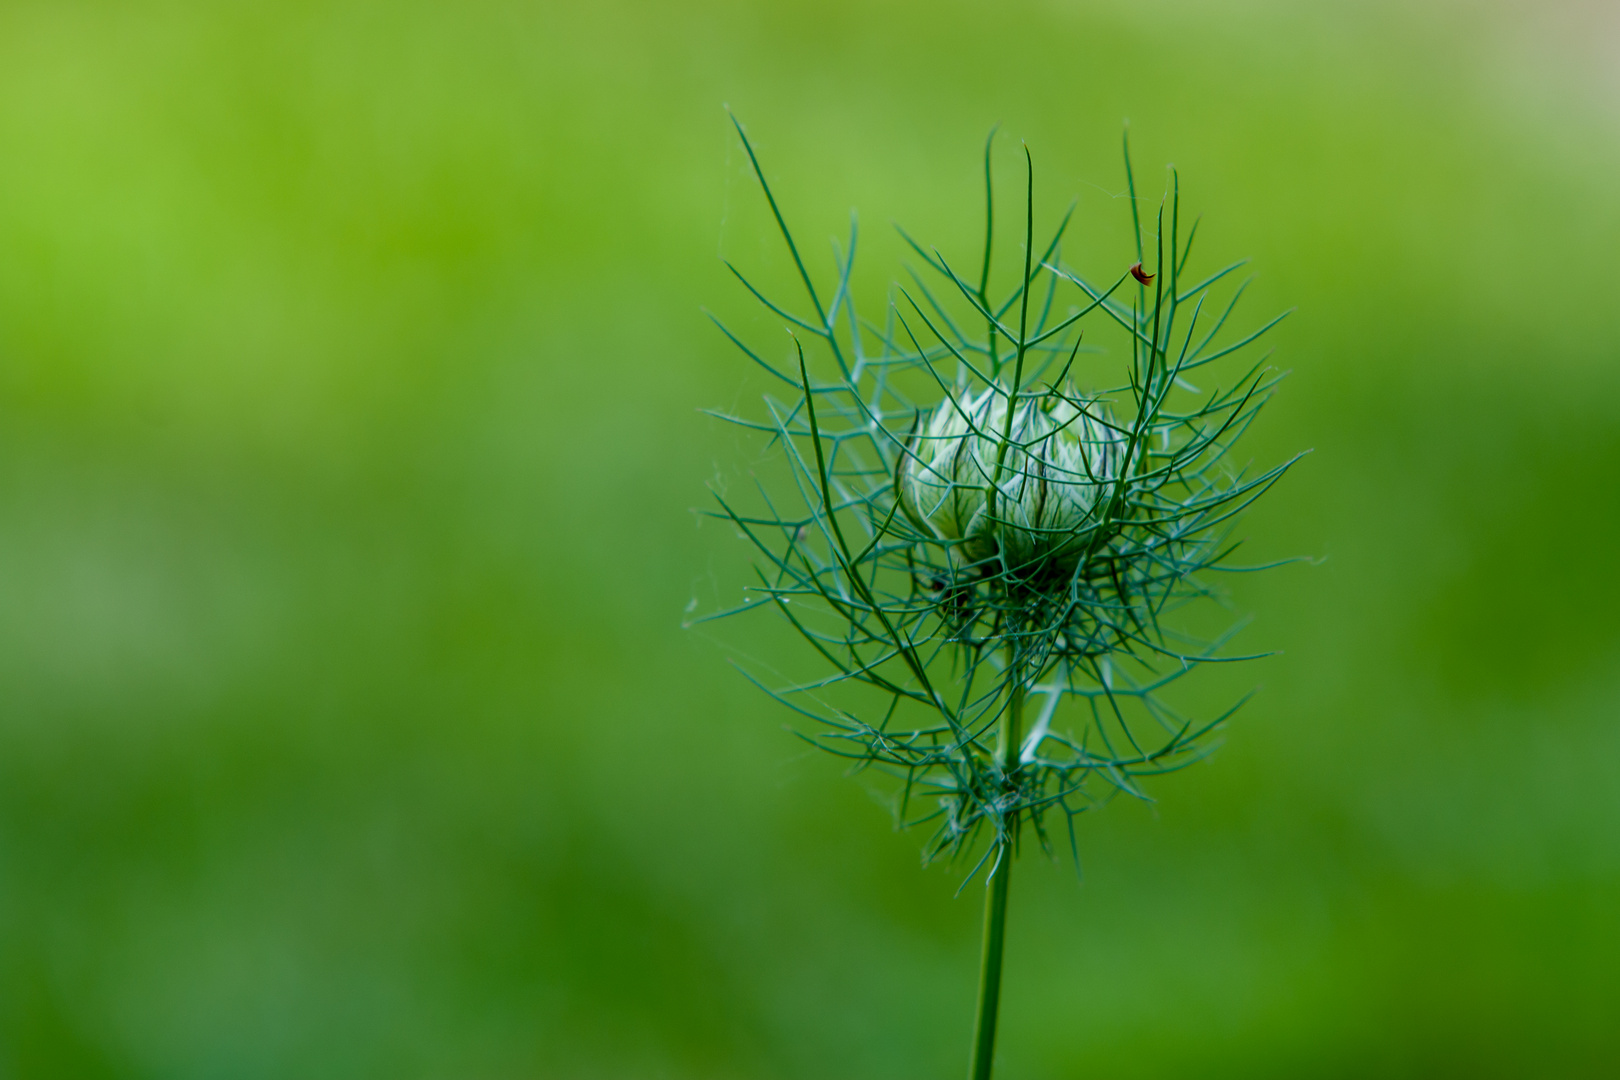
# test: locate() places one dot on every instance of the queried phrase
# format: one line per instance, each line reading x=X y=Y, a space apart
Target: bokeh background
x=350 y=360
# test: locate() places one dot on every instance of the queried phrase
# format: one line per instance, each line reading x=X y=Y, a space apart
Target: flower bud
x=1059 y=467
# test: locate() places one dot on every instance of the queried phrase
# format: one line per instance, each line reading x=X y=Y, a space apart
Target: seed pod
x=1060 y=465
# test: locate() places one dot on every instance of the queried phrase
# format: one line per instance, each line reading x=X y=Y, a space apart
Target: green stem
x=995 y=900
x=995 y=929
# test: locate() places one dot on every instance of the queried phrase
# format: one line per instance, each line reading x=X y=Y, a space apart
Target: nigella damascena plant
x=992 y=507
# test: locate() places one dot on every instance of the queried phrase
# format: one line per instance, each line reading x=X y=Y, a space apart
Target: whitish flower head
x=1059 y=467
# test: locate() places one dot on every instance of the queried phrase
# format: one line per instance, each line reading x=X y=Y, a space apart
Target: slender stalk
x=995 y=929
x=995 y=900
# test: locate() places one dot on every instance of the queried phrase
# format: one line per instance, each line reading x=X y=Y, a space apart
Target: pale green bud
x=1058 y=471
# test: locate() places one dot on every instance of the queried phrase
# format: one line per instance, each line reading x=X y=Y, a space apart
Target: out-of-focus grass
x=347 y=362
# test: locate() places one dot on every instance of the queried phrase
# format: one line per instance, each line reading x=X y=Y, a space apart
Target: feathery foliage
x=964 y=531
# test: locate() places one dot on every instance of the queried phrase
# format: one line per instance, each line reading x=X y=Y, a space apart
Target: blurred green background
x=350 y=356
